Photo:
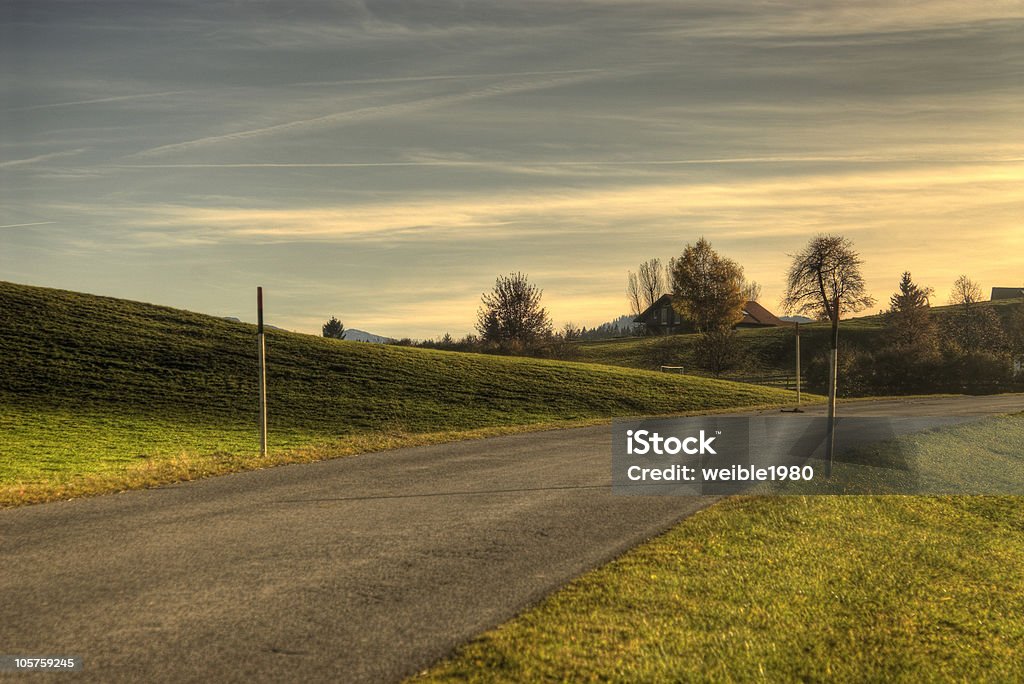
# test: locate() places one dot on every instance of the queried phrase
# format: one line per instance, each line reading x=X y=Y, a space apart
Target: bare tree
x=652 y=281
x=511 y=313
x=751 y=290
x=971 y=327
x=965 y=292
x=825 y=281
x=571 y=332
x=633 y=294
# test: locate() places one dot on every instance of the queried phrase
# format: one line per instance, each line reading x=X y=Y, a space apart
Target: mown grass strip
x=823 y=588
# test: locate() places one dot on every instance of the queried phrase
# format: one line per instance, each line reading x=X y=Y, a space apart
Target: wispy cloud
x=375 y=142
x=793 y=205
x=916 y=156
x=25 y=225
x=40 y=158
x=442 y=77
x=375 y=112
x=99 y=100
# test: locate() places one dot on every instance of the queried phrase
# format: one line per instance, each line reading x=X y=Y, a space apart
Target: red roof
x=755 y=314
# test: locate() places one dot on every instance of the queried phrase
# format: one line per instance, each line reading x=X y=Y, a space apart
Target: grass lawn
x=100 y=394
x=795 y=588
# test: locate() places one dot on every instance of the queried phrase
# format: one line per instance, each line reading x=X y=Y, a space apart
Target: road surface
x=358 y=569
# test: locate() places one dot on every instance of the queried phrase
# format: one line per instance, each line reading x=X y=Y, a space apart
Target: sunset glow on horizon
x=384 y=162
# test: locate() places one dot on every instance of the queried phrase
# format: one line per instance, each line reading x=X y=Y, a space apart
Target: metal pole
x=262 y=371
x=833 y=371
x=798 y=366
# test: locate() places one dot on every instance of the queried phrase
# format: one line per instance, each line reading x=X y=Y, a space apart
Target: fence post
x=261 y=347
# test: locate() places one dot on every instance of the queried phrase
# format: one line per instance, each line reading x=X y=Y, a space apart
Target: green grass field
x=769 y=351
x=99 y=394
x=815 y=588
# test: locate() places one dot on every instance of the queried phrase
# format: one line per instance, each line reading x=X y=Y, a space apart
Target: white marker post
x=262 y=372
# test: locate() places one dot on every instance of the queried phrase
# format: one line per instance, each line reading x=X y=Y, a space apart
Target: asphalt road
x=358 y=569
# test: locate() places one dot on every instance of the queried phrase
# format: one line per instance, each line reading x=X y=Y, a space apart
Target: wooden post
x=261 y=347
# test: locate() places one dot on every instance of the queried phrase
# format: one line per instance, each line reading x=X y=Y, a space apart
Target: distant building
x=756 y=316
x=1007 y=293
x=661 y=319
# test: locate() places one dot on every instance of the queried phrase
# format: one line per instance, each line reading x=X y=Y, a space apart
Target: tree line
x=968 y=346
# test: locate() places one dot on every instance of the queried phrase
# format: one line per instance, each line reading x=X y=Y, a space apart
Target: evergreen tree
x=334 y=329
x=909 y=321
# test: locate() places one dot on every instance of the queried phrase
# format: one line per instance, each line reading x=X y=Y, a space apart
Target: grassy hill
x=770 y=351
x=98 y=393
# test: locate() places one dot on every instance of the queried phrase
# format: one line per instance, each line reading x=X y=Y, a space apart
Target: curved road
x=358 y=569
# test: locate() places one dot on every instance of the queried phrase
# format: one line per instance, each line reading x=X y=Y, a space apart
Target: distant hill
x=623 y=326
x=357 y=335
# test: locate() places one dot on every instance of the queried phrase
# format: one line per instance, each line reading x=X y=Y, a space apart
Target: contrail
x=444 y=77
x=98 y=100
x=567 y=163
x=39 y=158
x=23 y=225
x=374 y=112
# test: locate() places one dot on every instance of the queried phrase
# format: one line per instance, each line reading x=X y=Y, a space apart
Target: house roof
x=1007 y=292
x=755 y=314
x=662 y=300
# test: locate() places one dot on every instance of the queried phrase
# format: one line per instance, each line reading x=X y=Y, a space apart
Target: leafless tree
x=972 y=326
x=825 y=281
x=633 y=294
x=965 y=292
x=571 y=332
x=751 y=290
x=652 y=281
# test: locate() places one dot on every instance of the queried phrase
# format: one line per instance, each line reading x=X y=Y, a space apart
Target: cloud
x=25 y=225
x=99 y=100
x=39 y=158
x=793 y=205
x=375 y=112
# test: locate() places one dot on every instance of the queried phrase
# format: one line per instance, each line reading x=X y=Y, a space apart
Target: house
x=1007 y=293
x=661 y=319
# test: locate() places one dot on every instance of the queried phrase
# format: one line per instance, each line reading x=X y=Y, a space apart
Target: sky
x=383 y=162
